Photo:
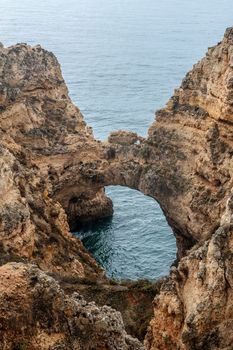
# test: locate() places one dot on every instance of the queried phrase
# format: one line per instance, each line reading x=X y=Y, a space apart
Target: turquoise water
x=121 y=60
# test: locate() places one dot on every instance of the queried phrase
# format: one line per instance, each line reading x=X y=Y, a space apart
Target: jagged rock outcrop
x=40 y=128
x=53 y=172
x=186 y=161
x=194 y=309
x=35 y=314
x=47 y=179
x=133 y=299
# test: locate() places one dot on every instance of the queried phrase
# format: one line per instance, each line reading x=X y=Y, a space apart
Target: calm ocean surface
x=121 y=60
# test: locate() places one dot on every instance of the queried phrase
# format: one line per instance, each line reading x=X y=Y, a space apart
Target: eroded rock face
x=35 y=314
x=48 y=171
x=51 y=167
x=41 y=130
x=124 y=138
x=194 y=308
x=186 y=161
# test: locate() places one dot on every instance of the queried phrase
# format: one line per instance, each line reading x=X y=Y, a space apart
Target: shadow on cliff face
x=185 y=164
x=133 y=299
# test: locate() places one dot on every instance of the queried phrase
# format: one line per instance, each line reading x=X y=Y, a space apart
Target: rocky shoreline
x=53 y=174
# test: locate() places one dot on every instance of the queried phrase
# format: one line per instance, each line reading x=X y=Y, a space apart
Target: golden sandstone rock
x=53 y=174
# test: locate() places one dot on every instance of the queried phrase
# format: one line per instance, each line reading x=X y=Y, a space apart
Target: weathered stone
x=122 y=137
x=35 y=314
x=53 y=171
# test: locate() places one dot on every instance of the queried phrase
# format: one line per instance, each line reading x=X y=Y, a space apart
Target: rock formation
x=36 y=314
x=40 y=130
x=43 y=135
x=53 y=173
x=194 y=309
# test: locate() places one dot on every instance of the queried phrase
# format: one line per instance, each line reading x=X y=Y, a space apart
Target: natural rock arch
x=49 y=157
x=184 y=163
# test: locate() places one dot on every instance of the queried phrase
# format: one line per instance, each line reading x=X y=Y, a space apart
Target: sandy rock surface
x=52 y=177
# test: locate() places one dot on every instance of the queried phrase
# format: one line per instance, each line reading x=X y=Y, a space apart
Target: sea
x=121 y=60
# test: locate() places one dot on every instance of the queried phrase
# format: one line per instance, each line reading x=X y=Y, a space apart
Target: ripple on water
x=137 y=242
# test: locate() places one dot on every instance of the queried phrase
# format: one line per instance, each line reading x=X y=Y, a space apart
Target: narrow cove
x=136 y=243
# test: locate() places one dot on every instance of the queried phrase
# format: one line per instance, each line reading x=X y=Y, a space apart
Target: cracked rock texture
x=52 y=177
x=35 y=314
x=48 y=181
x=40 y=128
x=194 y=309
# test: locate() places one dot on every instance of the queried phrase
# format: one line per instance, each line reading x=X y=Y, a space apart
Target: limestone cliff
x=53 y=173
x=47 y=184
x=41 y=129
x=194 y=309
x=36 y=314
